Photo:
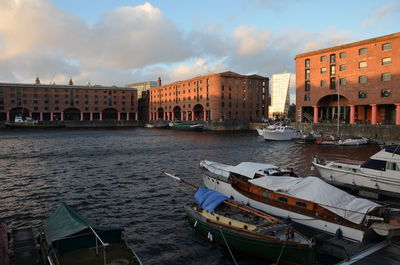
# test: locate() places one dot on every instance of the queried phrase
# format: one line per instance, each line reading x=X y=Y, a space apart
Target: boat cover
x=209 y=199
x=316 y=190
x=64 y=228
x=249 y=169
x=216 y=168
x=394 y=149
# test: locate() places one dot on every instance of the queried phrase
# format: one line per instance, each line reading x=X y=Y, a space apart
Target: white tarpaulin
x=316 y=190
x=249 y=169
x=216 y=168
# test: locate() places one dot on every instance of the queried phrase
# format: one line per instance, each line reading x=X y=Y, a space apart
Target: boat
x=281 y=133
x=28 y=122
x=380 y=175
x=354 y=141
x=148 y=125
x=261 y=130
x=308 y=201
x=4 y=248
x=70 y=239
x=328 y=140
x=244 y=229
x=186 y=126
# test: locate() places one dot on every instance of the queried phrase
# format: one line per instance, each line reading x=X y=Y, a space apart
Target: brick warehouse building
x=213 y=97
x=362 y=78
x=67 y=102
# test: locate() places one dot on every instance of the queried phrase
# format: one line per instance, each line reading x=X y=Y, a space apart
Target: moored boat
x=28 y=122
x=70 y=239
x=186 y=126
x=240 y=229
x=380 y=175
x=281 y=133
x=308 y=201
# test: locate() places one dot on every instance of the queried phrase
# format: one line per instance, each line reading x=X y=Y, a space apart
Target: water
x=113 y=177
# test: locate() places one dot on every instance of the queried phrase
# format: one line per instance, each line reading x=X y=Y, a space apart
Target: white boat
x=281 y=133
x=261 y=130
x=148 y=125
x=308 y=201
x=379 y=175
x=354 y=141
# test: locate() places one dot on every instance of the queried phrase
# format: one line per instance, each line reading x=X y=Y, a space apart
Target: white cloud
x=251 y=40
x=381 y=13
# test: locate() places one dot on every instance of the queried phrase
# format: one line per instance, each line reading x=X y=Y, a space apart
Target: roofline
x=349 y=45
x=64 y=86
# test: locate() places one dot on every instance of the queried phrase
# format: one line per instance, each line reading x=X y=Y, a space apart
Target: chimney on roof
x=37 y=81
x=159 y=81
x=71 y=83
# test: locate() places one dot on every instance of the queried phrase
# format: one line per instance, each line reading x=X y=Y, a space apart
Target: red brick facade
x=67 y=102
x=215 y=97
x=364 y=74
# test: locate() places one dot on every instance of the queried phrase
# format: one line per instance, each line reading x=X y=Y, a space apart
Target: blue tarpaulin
x=209 y=199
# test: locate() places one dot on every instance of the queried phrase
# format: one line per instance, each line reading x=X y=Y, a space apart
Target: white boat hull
x=356 y=177
x=225 y=188
x=279 y=136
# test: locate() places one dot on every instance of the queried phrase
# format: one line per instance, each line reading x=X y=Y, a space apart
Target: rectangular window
x=386 y=77
x=307 y=86
x=307 y=73
x=362 y=94
x=362 y=65
x=307 y=98
x=386 y=46
x=342 y=55
x=385 y=93
x=332 y=84
x=333 y=69
x=342 y=81
x=301 y=204
x=283 y=199
x=333 y=58
x=323 y=70
x=323 y=58
x=362 y=79
x=323 y=83
x=342 y=67
x=386 y=61
x=362 y=51
x=307 y=63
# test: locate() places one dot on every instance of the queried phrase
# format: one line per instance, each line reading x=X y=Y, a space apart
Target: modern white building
x=280 y=96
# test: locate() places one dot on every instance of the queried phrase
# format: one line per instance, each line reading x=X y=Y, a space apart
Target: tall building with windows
x=213 y=97
x=280 y=96
x=67 y=102
x=358 y=82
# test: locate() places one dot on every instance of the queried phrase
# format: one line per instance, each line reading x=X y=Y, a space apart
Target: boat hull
x=352 y=176
x=279 y=136
x=187 y=128
x=33 y=125
x=226 y=188
x=254 y=245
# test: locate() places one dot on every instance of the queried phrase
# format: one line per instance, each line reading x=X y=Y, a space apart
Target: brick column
x=136 y=116
x=164 y=116
x=173 y=116
x=192 y=115
x=91 y=116
x=62 y=116
x=51 y=116
x=41 y=116
x=101 y=116
x=315 y=114
x=398 y=114
x=352 y=114
x=204 y=115
x=81 y=116
x=8 y=116
x=373 y=114
x=127 y=116
x=119 y=116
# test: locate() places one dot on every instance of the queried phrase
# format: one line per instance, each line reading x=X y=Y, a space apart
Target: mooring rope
x=280 y=254
x=227 y=245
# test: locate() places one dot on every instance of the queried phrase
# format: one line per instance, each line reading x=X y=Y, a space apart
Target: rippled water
x=113 y=177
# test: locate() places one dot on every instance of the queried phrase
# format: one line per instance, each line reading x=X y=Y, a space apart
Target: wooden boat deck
x=116 y=254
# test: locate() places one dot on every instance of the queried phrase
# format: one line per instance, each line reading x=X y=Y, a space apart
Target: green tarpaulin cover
x=66 y=230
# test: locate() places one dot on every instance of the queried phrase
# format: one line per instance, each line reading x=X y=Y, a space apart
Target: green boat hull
x=271 y=250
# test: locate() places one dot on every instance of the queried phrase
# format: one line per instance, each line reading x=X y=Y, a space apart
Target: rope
x=227 y=245
x=280 y=254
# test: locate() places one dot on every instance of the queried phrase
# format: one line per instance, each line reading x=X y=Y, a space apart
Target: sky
x=117 y=42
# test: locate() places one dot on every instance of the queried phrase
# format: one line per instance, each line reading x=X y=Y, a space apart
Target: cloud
x=381 y=13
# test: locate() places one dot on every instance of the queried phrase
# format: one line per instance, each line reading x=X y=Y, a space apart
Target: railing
x=97 y=248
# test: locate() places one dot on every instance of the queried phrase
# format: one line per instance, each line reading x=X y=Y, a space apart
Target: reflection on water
x=113 y=177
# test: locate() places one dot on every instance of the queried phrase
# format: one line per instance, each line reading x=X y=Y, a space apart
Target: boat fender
x=195 y=224
x=210 y=236
x=339 y=233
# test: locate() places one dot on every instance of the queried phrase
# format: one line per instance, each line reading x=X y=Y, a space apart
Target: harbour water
x=113 y=177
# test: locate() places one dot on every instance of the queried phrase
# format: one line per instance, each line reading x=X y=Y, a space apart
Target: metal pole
x=338 y=103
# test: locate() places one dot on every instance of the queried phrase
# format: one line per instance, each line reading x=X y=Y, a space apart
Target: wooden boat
x=246 y=230
x=28 y=122
x=70 y=239
x=380 y=175
x=308 y=201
